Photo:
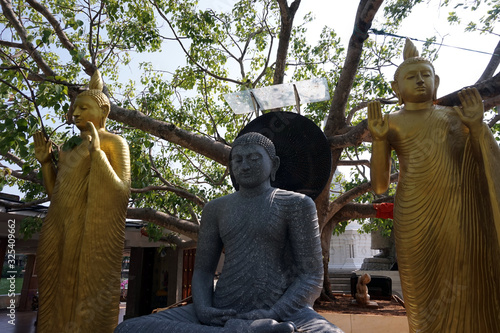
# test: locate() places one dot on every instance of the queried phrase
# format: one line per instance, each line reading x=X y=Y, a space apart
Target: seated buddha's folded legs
x=184 y=320
x=308 y=320
x=176 y=320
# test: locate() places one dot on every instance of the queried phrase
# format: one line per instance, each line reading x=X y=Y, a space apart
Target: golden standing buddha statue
x=446 y=212
x=81 y=243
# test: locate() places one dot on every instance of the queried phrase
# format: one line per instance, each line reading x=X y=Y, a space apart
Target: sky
x=457 y=68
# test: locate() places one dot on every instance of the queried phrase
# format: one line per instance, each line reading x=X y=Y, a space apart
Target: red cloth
x=384 y=210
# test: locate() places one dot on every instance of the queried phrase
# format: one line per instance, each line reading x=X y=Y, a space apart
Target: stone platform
x=361 y=323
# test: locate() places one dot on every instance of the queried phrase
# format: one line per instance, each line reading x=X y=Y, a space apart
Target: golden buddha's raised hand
x=43 y=148
x=472 y=110
x=378 y=126
x=94 y=141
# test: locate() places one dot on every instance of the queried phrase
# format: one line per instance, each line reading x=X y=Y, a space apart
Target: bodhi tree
x=174 y=117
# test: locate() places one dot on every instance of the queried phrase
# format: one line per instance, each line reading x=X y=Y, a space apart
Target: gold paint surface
x=446 y=212
x=81 y=243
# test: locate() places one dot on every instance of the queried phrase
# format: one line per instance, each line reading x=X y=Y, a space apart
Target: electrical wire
x=383 y=33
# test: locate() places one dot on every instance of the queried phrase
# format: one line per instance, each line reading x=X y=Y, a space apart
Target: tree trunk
x=336 y=119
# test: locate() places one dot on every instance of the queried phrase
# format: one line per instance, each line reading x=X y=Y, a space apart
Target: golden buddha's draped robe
x=447 y=226
x=81 y=243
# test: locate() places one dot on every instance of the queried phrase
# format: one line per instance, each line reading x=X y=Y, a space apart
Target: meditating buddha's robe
x=81 y=244
x=447 y=225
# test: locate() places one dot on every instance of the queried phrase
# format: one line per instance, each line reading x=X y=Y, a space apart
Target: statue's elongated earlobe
x=276 y=165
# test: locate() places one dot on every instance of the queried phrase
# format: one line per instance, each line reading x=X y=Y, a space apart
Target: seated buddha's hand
x=260 y=326
x=258 y=314
x=378 y=126
x=472 y=110
x=214 y=317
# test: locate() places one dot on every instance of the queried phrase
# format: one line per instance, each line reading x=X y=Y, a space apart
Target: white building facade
x=348 y=250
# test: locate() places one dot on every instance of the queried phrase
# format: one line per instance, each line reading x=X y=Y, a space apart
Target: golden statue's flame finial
x=410 y=50
x=410 y=55
x=96 y=81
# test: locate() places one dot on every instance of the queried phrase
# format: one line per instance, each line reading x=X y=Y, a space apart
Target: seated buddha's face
x=250 y=164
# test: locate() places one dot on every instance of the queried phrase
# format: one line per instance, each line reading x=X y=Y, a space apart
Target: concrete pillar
x=140 y=281
x=30 y=284
x=174 y=265
x=3 y=250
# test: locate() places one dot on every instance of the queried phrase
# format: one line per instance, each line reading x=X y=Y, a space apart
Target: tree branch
x=352 y=211
x=155 y=169
x=12 y=45
x=32 y=176
x=89 y=68
x=364 y=17
x=354 y=136
x=11 y=17
x=179 y=242
x=17 y=90
x=172 y=223
x=287 y=16
x=354 y=162
x=489 y=88
x=16 y=205
x=494 y=120
x=350 y=195
x=266 y=65
x=208 y=147
x=28 y=46
x=336 y=120
x=492 y=65
x=180 y=192
x=14 y=159
x=173 y=238
x=490 y=103
x=205 y=70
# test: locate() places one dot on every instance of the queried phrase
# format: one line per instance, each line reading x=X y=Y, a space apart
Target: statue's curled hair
x=256 y=138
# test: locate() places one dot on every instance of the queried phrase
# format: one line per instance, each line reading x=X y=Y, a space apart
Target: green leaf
x=30 y=226
x=72 y=143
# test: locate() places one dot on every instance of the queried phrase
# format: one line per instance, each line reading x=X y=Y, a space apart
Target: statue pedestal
x=386 y=258
x=369 y=304
x=377 y=264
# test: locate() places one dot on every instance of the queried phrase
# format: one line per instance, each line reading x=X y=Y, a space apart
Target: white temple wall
x=348 y=250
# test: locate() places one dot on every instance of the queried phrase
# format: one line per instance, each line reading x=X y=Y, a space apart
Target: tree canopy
x=177 y=124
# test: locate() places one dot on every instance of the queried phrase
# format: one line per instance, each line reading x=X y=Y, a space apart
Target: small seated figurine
x=362 y=296
x=272 y=270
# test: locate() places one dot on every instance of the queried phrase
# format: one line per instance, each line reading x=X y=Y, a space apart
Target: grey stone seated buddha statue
x=272 y=269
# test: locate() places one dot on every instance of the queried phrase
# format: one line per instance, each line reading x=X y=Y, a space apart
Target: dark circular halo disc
x=304 y=152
